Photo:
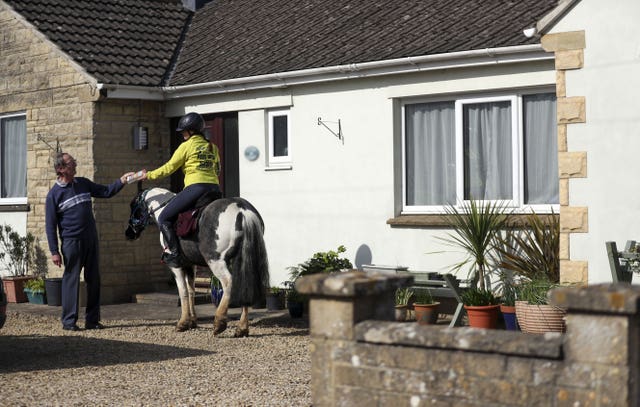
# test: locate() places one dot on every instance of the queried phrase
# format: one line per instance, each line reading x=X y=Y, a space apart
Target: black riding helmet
x=191 y=121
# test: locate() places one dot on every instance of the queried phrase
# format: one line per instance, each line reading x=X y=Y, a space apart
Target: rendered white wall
x=343 y=193
x=609 y=81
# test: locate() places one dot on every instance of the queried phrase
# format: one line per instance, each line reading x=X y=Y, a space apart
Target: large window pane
x=430 y=154
x=488 y=173
x=13 y=156
x=540 y=143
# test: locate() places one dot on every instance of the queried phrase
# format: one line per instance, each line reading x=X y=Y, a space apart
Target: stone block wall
x=128 y=267
x=359 y=357
x=63 y=104
x=57 y=98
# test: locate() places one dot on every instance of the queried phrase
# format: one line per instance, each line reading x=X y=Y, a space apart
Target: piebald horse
x=229 y=240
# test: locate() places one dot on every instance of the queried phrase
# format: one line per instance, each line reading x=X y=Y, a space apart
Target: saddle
x=187 y=223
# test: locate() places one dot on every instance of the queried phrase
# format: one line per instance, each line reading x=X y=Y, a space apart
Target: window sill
x=279 y=168
x=437 y=220
x=15 y=208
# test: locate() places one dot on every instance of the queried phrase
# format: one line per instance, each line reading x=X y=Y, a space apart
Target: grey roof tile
x=126 y=42
x=242 y=38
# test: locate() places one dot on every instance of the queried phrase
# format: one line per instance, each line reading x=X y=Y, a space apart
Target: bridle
x=141 y=214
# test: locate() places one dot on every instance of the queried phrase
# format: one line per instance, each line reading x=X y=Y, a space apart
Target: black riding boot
x=173 y=258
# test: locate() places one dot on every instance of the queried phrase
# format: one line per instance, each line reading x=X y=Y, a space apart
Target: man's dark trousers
x=79 y=253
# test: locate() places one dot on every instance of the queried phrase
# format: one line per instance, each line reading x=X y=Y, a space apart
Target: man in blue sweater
x=69 y=213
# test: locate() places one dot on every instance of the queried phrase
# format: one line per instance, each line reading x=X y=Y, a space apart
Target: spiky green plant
x=479 y=297
x=403 y=295
x=533 y=251
x=476 y=226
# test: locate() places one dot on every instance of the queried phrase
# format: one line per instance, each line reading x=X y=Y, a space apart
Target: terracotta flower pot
x=14 y=288
x=482 y=316
x=426 y=314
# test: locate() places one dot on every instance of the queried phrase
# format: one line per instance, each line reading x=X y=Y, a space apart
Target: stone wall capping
x=351 y=284
x=548 y=346
x=621 y=298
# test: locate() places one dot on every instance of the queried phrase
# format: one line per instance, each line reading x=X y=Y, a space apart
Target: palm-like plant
x=533 y=252
x=476 y=226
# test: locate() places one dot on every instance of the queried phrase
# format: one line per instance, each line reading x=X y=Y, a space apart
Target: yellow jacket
x=199 y=160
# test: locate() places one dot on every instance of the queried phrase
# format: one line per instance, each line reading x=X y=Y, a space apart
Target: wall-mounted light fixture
x=140 y=138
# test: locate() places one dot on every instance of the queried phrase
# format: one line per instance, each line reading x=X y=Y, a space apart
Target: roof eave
x=547 y=22
x=462 y=59
x=131 y=92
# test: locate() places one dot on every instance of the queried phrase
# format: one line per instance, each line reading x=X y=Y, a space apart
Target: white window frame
x=284 y=159
x=517 y=125
x=14 y=200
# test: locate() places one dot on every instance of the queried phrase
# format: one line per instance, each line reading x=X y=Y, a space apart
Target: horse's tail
x=250 y=269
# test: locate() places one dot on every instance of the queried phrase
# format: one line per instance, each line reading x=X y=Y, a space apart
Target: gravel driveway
x=147 y=363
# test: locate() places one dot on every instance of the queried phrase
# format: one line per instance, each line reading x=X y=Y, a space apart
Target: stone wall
x=360 y=358
x=63 y=105
x=128 y=267
x=57 y=98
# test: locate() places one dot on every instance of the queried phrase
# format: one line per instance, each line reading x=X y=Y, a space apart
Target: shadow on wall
x=363 y=256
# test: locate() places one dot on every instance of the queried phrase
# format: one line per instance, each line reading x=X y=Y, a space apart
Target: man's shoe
x=96 y=325
x=71 y=328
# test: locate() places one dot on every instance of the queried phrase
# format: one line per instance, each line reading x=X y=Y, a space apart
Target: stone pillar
x=337 y=303
x=602 y=343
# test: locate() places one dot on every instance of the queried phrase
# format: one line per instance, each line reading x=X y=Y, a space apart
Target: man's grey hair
x=58 y=162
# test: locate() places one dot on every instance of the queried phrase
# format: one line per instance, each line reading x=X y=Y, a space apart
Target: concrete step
x=168 y=298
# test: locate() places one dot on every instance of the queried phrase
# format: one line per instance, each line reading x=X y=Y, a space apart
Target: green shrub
x=321 y=262
x=35 y=285
x=478 y=297
x=423 y=296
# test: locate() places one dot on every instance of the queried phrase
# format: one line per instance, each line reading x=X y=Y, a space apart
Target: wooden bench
x=619 y=261
x=444 y=288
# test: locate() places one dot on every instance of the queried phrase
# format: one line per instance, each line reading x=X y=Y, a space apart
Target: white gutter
x=463 y=59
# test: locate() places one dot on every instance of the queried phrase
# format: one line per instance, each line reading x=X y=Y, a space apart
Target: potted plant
x=482 y=308
x=295 y=301
x=507 y=289
x=534 y=313
x=275 y=298
x=17 y=255
x=425 y=308
x=321 y=262
x=403 y=296
x=216 y=290
x=533 y=253
x=35 y=290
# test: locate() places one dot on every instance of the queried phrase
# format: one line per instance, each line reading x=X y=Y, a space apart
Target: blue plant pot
x=510 y=320
x=216 y=295
x=35 y=297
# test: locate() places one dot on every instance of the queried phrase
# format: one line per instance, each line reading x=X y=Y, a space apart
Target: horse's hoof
x=193 y=324
x=219 y=327
x=241 y=333
x=182 y=327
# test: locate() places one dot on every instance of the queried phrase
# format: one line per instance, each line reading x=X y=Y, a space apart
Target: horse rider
x=200 y=162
